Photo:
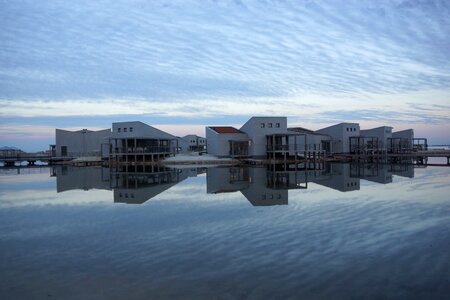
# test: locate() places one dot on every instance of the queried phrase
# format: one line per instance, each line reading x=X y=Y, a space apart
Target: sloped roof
x=300 y=129
x=225 y=129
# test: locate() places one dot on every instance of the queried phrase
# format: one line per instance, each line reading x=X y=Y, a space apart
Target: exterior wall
x=406 y=139
x=383 y=133
x=313 y=142
x=138 y=129
x=257 y=133
x=340 y=135
x=194 y=142
x=218 y=144
x=81 y=143
x=406 y=134
x=141 y=131
x=183 y=145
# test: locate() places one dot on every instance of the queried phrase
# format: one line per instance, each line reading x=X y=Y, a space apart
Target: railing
x=144 y=150
x=24 y=155
x=295 y=147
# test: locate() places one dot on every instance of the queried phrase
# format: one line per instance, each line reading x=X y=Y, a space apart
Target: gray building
x=191 y=142
x=82 y=143
x=137 y=141
x=340 y=136
x=382 y=134
x=402 y=141
x=266 y=134
x=259 y=137
x=226 y=141
x=313 y=141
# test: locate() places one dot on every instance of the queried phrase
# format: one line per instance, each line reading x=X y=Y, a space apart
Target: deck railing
x=144 y=150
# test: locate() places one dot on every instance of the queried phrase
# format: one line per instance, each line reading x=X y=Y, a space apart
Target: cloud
x=256 y=48
x=316 y=61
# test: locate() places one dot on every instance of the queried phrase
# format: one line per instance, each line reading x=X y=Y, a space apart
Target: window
x=354 y=129
x=125 y=130
x=269 y=125
x=131 y=129
x=263 y=125
x=118 y=129
x=347 y=129
x=277 y=125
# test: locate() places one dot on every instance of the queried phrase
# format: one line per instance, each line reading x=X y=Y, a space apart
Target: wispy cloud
x=309 y=59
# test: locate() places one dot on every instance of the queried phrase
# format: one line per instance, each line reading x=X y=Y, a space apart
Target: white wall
x=257 y=134
x=383 y=133
x=340 y=134
x=136 y=129
x=218 y=144
x=82 y=142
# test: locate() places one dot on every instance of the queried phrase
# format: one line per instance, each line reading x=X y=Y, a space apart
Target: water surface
x=345 y=231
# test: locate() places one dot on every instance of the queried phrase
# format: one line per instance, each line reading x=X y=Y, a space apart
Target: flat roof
x=225 y=129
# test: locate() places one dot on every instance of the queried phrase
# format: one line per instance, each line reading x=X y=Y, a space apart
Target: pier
x=31 y=159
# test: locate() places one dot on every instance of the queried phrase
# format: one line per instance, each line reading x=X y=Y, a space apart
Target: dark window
x=269 y=125
x=63 y=150
x=263 y=125
x=277 y=125
x=131 y=129
x=347 y=129
x=118 y=129
x=125 y=130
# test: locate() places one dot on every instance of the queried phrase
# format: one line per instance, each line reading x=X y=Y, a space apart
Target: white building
x=402 y=141
x=226 y=141
x=191 y=142
x=82 y=143
x=383 y=134
x=313 y=141
x=340 y=135
x=137 y=141
x=259 y=137
x=266 y=134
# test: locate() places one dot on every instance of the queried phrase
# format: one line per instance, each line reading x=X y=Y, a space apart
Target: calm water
x=344 y=232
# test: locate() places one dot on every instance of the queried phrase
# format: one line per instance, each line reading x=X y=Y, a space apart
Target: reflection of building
x=138 y=185
x=261 y=186
x=379 y=173
x=339 y=177
x=136 y=188
x=258 y=193
x=80 y=178
x=403 y=170
x=226 y=179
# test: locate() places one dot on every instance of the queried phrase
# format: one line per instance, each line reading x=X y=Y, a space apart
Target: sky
x=184 y=65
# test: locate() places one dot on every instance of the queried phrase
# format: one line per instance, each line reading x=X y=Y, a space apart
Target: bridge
x=31 y=158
